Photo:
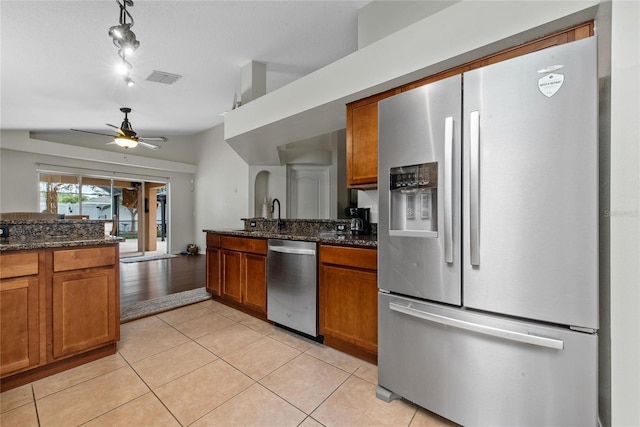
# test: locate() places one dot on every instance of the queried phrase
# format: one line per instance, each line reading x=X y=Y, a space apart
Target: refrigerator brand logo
x=550 y=84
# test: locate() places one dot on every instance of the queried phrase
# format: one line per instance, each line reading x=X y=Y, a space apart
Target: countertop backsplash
x=34 y=234
x=314 y=230
x=301 y=227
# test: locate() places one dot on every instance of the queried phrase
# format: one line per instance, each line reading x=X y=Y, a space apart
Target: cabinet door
x=213 y=271
x=232 y=275
x=362 y=146
x=255 y=283
x=19 y=324
x=349 y=305
x=84 y=310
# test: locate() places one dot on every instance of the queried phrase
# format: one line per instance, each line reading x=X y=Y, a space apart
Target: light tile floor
x=209 y=365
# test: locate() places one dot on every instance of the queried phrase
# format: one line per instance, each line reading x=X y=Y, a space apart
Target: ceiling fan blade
x=153 y=139
x=95 y=133
x=150 y=146
x=116 y=128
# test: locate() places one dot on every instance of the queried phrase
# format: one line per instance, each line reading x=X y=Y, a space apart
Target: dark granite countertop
x=28 y=234
x=10 y=244
x=331 y=238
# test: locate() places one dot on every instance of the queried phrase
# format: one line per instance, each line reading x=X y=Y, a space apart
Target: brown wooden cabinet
x=232 y=273
x=348 y=306
x=213 y=280
x=362 y=115
x=84 y=310
x=255 y=282
x=362 y=141
x=59 y=308
x=20 y=311
x=237 y=271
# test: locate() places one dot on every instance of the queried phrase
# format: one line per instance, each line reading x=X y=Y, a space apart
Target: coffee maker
x=360 y=223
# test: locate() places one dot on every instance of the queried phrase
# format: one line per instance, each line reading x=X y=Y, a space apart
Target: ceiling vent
x=162 y=77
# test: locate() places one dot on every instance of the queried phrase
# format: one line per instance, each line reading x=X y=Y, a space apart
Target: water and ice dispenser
x=414 y=200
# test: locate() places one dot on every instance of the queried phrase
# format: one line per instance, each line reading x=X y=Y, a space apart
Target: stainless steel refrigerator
x=488 y=242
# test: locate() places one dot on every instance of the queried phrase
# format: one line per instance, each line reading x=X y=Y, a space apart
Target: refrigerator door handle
x=448 y=190
x=474 y=191
x=481 y=329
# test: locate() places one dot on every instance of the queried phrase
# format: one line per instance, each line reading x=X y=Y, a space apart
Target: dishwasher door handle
x=294 y=251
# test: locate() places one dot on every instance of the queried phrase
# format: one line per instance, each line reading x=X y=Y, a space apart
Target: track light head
x=118 y=32
x=124 y=39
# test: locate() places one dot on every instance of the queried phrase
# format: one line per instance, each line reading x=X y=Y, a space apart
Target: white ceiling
x=57 y=60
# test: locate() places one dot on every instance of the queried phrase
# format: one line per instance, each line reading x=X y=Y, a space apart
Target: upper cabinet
x=362 y=141
x=362 y=115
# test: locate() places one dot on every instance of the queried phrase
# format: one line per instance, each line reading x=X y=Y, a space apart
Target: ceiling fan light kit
x=124 y=39
x=125 y=142
x=127 y=137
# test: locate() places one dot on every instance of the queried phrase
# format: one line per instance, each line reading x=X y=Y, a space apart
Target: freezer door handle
x=474 y=191
x=448 y=190
x=481 y=329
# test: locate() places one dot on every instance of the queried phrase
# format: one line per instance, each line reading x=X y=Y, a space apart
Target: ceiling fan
x=127 y=137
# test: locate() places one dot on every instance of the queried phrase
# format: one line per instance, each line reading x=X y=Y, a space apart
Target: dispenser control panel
x=424 y=175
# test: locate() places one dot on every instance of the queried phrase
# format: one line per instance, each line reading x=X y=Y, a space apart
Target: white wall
x=221 y=185
x=19 y=177
x=625 y=213
x=378 y=19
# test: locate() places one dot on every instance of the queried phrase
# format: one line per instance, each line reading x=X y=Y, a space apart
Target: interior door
x=531 y=186
x=308 y=192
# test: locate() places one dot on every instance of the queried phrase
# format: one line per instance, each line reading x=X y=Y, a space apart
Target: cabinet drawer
x=241 y=244
x=18 y=264
x=75 y=259
x=349 y=257
x=213 y=240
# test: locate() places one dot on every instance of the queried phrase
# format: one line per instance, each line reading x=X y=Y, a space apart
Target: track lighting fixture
x=124 y=39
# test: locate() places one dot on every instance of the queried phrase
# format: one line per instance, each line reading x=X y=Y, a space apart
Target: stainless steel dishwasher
x=292 y=291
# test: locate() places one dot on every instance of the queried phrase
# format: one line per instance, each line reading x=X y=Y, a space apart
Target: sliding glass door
x=136 y=210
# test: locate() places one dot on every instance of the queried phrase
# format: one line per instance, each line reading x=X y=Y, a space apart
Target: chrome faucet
x=273 y=208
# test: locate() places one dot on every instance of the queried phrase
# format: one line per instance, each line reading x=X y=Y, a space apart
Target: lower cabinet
x=348 y=307
x=213 y=280
x=237 y=271
x=84 y=310
x=255 y=282
x=20 y=311
x=59 y=308
x=232 y=272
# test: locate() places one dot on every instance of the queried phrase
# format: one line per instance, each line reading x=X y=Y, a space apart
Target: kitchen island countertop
x=10 y=244
x=26 y=234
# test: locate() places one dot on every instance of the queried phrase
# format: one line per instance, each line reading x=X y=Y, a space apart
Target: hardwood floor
x=141 y=281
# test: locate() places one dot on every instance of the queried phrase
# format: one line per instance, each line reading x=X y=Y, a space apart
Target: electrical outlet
x=340 y=227
x=252 y=224
x=4 y=231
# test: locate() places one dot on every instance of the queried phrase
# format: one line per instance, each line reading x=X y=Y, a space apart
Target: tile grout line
x=151 y=390
x=35 y=403
x=230 y=398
